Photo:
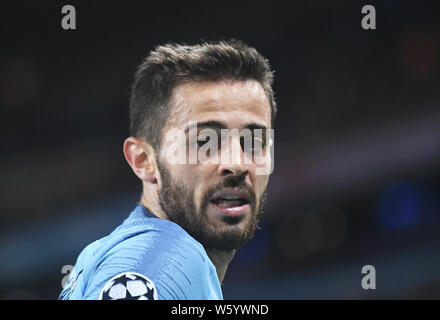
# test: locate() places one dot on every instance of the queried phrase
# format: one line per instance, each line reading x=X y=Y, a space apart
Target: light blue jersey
x=144 y=258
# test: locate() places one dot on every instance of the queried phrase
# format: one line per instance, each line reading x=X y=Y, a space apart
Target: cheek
x=191 y=174
x=200 y=178
x=192 y=179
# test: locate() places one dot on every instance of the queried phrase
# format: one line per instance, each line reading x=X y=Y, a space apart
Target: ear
x=141 y=158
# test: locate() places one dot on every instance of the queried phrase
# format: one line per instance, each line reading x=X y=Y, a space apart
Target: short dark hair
x=170 y=64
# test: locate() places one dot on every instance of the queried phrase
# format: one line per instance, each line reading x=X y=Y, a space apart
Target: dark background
x=357 y=149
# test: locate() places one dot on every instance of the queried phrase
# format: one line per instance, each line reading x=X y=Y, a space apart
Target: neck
x=150 y=200
x=221 y=260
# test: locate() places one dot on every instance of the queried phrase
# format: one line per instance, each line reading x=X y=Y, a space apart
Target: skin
x=234 y=104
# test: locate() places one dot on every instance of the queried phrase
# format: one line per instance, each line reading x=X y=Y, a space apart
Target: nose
x=234 y=172
x=232 y=160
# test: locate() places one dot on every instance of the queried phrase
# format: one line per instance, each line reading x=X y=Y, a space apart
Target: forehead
x=235 y=103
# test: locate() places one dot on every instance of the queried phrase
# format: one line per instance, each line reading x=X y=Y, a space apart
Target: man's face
x=219 y=204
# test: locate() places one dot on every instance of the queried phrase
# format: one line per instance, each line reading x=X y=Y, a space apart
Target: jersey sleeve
x=165 y=263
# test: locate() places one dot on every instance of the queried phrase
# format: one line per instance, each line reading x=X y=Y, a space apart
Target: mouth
x=231 y=202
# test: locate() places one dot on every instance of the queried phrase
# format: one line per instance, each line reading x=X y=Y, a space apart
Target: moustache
x=237 y=181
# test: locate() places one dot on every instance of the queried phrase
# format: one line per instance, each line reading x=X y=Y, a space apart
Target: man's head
x=217 y=86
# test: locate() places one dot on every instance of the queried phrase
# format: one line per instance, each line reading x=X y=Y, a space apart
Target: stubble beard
x=178 y=203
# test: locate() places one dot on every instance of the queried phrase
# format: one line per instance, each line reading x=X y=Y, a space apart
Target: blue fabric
x=158 y=249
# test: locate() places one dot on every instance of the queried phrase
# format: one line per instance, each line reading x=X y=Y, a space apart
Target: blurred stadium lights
x=20 y=82
x=32 y=252
x=395 y=278
x=419 y=53
x=288 y=237
x=319 y=230
x=256 y=249
x=405 y=203
x=335 y=166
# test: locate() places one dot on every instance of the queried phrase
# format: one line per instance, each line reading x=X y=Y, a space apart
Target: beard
x=178 y=203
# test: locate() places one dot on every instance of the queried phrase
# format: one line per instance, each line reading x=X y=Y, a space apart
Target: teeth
x=229 y=203
x=230 y=197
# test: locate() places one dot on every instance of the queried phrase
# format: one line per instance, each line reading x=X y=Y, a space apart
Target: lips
x=230 y=198
x=231 y=202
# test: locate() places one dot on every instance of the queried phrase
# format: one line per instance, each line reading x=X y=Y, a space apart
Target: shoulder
x=164 y=257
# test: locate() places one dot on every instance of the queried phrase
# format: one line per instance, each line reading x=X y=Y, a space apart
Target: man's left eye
x=251 y=143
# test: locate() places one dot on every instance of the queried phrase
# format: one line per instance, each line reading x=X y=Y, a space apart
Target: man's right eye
x=201 y=141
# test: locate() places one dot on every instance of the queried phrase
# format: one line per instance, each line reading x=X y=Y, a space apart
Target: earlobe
x=140 y=156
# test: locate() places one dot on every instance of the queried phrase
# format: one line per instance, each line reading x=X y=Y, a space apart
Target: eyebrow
x=208 y=124
x=219 y=125
x=253 y=126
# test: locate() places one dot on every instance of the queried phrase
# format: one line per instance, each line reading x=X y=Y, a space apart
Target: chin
x=227 y=234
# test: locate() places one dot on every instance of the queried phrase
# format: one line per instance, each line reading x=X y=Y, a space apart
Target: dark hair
x=171 y=64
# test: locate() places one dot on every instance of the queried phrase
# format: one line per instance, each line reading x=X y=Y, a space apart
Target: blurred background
x=357 y=149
